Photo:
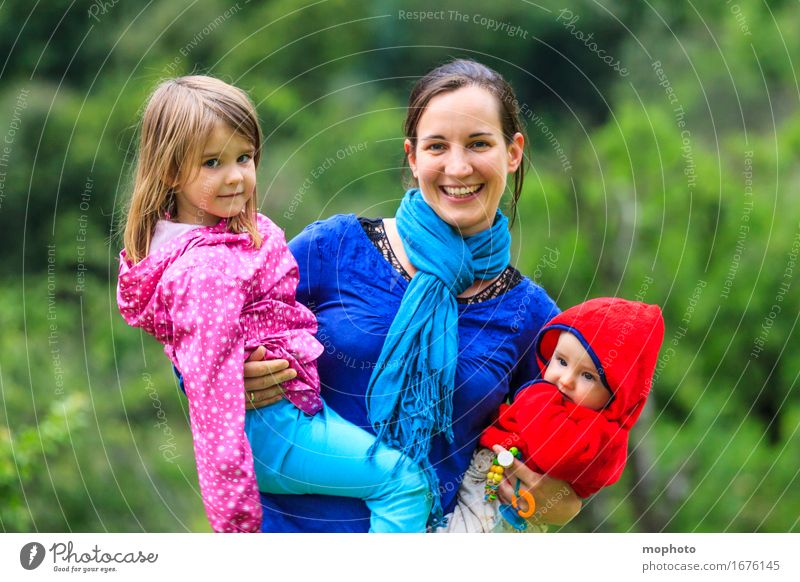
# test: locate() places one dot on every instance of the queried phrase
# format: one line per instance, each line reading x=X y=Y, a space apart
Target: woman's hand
x=556 y=502
x=262 y=379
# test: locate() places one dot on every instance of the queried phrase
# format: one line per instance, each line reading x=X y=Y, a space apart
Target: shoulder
x=528 y=308
x=324 y=235
x=194 y=271
x=268 y=228
x=208 y=261
x=530 y=299
x=536 y=292
x=335 y=224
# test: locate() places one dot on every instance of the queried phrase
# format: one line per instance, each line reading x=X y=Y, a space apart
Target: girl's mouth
x=461 y=193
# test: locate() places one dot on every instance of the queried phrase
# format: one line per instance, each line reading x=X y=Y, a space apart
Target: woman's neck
x=390 y=224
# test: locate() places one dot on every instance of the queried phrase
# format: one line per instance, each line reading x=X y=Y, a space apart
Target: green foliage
x=27 y=451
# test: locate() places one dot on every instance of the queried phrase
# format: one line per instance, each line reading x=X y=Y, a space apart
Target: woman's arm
x=556 y=502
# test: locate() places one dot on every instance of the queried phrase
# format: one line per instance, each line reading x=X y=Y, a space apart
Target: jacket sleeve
x=208 y=348
x=503 y=433
x=291 y=324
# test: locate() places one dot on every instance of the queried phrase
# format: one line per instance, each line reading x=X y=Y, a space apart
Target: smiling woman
x=427 y=327
x=495 y=109
x=461 y=158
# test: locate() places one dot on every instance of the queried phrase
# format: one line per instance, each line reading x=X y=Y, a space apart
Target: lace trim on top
x=376 y=232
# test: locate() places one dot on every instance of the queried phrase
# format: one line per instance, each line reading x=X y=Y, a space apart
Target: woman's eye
x=212 y=163
x=480 y=144
x=436 y=147
x=244 y=158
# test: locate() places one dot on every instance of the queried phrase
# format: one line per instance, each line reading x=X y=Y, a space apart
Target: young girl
x=212 y=280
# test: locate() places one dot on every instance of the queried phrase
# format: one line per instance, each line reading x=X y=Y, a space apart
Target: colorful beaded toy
x=500 y=463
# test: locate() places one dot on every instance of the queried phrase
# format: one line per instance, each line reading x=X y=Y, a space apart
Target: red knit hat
x=623 y=339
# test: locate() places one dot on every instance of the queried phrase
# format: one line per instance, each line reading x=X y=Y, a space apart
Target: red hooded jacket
x=585 y=447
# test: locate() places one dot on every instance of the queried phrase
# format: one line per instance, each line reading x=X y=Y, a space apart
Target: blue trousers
x=295 y=453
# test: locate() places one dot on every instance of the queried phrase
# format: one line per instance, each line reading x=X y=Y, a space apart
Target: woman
x=465 y=351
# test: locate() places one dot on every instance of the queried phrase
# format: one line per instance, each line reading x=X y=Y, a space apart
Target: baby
x=597 y=361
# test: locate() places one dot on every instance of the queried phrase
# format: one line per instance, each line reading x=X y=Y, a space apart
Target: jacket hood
x=138 y=285
x=623 y=339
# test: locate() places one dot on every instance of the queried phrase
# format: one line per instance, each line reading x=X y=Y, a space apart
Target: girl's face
x=223 y=182
x=461 y=160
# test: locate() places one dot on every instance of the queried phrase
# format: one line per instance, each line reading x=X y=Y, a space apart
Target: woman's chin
x=466 y=223
x=466 y=226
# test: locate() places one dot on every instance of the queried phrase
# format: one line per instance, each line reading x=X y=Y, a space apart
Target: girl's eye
x=212 y=163
x=244 y=158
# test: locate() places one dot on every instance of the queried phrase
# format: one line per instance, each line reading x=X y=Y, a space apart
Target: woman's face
x=461 y=160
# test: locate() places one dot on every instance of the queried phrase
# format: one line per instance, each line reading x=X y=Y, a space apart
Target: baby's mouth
x=564 y=394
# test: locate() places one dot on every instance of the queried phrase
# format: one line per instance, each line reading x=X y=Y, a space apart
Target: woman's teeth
x=461 y=192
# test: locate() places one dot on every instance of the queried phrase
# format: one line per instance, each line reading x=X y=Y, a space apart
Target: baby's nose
x=568 y=380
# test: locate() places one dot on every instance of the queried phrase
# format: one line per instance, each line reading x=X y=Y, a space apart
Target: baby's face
x=571 y=369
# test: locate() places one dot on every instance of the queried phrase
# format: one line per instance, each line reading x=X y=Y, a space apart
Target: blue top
x=355 y=293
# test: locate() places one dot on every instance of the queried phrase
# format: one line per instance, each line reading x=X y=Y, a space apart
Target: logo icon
x=31 y=555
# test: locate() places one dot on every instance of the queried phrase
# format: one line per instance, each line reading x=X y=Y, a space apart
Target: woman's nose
x=458 y=165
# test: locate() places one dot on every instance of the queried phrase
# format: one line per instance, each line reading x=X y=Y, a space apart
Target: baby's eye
x=212 y=163
x=244 y=158
x=588 y=376
x=562 y=361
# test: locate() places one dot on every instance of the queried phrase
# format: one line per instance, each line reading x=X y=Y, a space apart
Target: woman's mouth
x=461 y=193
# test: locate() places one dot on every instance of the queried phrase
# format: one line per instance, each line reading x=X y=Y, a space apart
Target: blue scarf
x=410 y=393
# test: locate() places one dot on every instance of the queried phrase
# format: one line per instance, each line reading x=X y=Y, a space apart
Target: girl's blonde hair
x=178 y=119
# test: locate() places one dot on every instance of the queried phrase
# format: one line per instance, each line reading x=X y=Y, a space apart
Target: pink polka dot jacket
x=211 y=298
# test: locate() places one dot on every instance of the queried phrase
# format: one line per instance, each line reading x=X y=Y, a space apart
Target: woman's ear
x=412 y=156
x=516 y=149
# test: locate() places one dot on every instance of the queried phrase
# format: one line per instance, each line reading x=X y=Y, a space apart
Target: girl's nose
x=234 y=176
